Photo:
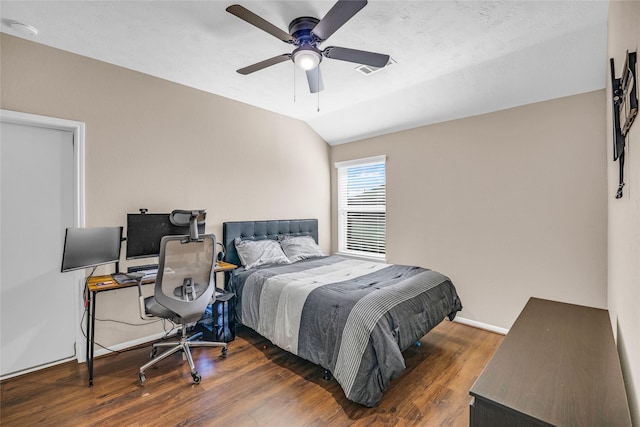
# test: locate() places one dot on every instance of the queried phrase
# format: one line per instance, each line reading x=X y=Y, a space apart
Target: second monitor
x=144 y=232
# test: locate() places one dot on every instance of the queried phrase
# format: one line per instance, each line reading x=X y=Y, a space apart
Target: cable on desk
x=85 y=291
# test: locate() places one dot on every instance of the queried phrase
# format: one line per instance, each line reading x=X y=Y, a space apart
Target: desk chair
x=184 y=288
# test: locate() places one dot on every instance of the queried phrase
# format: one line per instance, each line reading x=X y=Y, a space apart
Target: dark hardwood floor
x=256 y=385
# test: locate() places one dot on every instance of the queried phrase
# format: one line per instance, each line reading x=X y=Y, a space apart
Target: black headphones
x=222 y=253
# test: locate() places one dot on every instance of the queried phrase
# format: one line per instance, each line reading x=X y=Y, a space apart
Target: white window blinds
x=362 y=207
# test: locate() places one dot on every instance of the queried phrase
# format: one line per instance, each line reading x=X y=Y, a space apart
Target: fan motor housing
x=300 y=29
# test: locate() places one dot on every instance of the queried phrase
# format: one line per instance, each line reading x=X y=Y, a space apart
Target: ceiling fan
x=306 y=33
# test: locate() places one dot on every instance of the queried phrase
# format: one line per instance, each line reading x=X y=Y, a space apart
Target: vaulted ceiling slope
x=453 y=59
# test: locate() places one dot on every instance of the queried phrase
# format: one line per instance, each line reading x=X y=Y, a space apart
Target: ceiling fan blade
x=314 y=77
x=264 y=64
x=340 y=13
x=253 y=19
x=358 y=56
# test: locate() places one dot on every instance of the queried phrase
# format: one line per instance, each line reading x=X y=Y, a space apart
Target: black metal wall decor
x=625 y=109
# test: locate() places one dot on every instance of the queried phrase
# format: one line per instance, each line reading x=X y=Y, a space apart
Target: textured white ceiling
x=454 y=58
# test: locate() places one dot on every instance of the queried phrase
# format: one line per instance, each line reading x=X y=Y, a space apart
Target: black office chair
x=184 y=288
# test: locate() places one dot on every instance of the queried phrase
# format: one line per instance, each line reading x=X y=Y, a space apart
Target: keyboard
x=122 y=278
x=147 y=274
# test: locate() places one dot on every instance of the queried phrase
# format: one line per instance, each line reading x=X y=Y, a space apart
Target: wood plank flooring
x=256 y=385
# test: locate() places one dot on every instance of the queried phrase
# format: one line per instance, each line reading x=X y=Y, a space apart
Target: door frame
x=77 y=129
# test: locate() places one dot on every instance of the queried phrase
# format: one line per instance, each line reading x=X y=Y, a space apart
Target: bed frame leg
x=326 y=375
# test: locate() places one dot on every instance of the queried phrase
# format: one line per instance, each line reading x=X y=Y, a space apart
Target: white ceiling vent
x=368 y=69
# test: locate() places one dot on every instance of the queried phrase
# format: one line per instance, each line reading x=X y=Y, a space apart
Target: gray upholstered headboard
x=258 y=230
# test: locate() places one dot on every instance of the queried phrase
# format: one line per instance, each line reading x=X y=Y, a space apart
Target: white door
x=39 y=304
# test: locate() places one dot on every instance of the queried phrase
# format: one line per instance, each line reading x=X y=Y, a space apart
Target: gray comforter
x=349 y=316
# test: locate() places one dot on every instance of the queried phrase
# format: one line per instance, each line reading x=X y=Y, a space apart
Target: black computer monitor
x=144 y=232
x=89 y=247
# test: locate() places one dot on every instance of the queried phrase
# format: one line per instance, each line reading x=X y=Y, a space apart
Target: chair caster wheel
x=143 y=378
x=196 y=378
x=224 y=352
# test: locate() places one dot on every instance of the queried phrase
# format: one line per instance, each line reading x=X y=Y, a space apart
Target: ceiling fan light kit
x=307 y=58
x=306 y=33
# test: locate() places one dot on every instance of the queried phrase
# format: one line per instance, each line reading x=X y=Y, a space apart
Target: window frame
x=342 y=210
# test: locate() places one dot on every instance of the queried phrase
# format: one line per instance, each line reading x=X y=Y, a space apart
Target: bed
x=352 y=317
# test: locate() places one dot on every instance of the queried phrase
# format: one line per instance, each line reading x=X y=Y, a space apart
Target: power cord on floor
x=167 y=332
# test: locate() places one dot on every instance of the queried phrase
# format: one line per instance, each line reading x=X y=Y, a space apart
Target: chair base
x=184 y=346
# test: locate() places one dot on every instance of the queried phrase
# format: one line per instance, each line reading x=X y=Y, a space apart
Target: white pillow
x=254 y=253
x=300 y=247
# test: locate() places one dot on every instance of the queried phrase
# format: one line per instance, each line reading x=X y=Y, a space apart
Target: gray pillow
x=300 y=247
x=254 y=253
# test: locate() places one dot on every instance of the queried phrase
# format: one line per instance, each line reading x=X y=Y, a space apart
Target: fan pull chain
x=318 y=80
x=294 y=82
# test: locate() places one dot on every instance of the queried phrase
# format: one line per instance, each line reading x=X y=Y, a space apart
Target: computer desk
x=99 y=284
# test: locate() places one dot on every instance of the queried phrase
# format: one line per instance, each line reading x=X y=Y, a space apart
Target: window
x=362 y=207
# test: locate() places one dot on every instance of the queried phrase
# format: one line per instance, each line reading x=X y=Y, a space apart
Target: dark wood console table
x=558 y=366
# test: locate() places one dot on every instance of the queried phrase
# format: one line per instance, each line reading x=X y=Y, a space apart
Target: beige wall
x=162 y=146
x=510 y=204
x=624 y=213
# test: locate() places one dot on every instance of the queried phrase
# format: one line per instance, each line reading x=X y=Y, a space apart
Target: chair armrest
x=143 y=311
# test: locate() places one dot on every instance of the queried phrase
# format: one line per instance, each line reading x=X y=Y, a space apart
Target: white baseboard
x=125 y=345
x=35 y=368
x=99 y=351
x=82 y=358
x=481 y=325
